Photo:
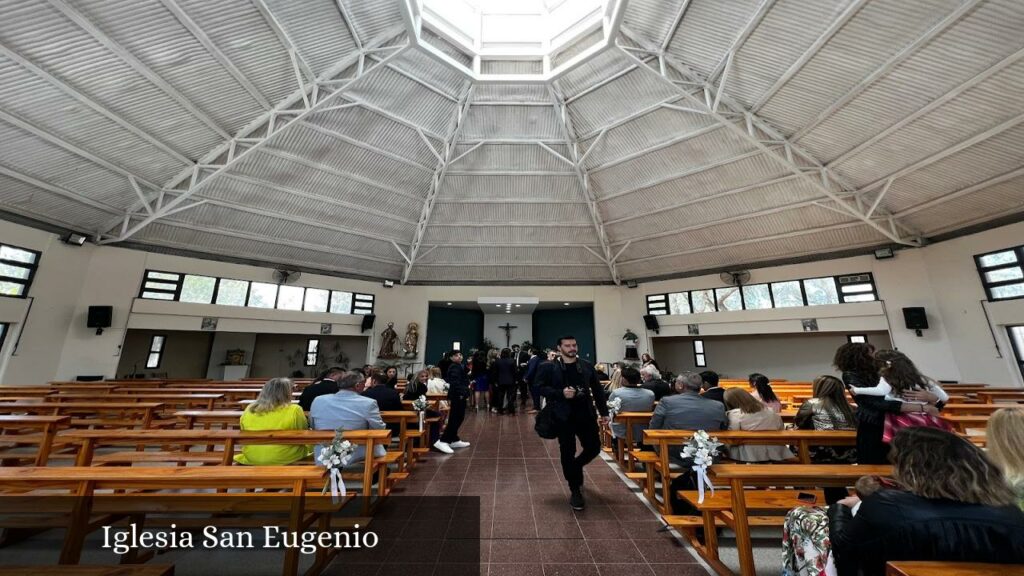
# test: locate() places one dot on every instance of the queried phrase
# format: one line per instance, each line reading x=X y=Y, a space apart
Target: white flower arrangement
x=614 y=407
x=447 y=387
x=334 y=456
x=420 y=404
x=701 y=448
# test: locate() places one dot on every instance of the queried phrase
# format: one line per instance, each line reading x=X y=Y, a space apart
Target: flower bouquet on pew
x=334 y=457
x=614 y=407
x=420 y=406
x=701 y=448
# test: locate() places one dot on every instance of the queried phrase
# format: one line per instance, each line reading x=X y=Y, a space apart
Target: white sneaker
x=444 y=447
x=459 y=444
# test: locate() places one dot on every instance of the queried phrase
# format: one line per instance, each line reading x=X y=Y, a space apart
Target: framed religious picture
x=810 y=324
x=208 y=324
x=326 y=328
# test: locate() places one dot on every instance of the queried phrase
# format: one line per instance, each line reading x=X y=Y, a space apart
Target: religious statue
x=387 y=342
x=412 y=338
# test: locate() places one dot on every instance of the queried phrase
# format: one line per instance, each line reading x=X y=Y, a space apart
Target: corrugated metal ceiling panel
x=511 y=188
x=708 y=30
x=510 y=235
x=317 y=29
x=526 y=122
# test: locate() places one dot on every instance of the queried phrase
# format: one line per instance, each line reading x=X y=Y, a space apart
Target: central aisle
x=527 y=527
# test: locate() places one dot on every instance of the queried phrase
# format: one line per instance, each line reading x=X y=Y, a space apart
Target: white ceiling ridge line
x=565 y=125
x=240 y=147
x=437 y=179
x=816 y=174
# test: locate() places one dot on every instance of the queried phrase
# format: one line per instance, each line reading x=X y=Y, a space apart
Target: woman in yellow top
x=273 y=410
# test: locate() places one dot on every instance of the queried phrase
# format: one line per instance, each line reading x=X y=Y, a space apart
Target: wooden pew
x=206 y=401
x=88 y=414
x=961 y=422
x=904 y=568
x=42 y=431
x=84 y=482
x=1008 y=396
x=740 y=476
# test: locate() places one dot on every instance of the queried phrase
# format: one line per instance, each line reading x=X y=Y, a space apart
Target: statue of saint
x=387 y=342
x=412 y=338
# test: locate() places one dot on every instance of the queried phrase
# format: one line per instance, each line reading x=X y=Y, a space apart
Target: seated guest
x=712 y=390
x=634 y=399
x=348 y=410
x=616 y=381
x=326 y=383
x=273 y=410
x=648 y=360
x=955 y=506
x=686 y=410
x=746 y=413
x=653 y=382
x=391 y=377
x=417 y=386
x=601 y=371
x=388 y=399
x=828 y=410
x=1005 y=436
x=761 y=389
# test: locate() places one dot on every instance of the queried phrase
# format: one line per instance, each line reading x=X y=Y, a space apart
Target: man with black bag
x=572 y=390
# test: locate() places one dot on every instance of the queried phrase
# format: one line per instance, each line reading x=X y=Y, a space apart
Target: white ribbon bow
x=421 y=420
x=702 y=479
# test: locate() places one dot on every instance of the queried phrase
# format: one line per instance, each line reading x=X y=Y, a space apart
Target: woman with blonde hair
x=748 y=413
x=1005 y=438
x=273 y=410
x=616 y=381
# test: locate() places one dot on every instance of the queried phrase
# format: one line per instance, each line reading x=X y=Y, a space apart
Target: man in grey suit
x=347 y=410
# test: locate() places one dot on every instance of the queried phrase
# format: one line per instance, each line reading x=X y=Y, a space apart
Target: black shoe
x=576 y=500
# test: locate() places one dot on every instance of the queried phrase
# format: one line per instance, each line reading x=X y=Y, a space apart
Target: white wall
x=940 y=277
x=523 y=328
x=224 y=341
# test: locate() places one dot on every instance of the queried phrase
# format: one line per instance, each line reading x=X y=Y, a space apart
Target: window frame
x=982 y=270
x=159 y=353
x=700 y=359
x=32 y=269
x=313 y=343
x=662 y=309
x=177 y=283
x=5 y=329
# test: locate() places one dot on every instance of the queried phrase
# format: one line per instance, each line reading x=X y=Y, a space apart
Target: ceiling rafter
x=437 y=179
x=756 y=17
x=679 y=175
x=569 y=133
x=59 y=190
x=137 y=65
x=283 y=37
x=759 y=133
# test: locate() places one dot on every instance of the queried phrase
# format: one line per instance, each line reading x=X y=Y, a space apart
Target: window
x=820 y=291
x=161 y=285
x=198 y=289
x=290 y=297
x=703 y=301
x=341 y=302
x=1001 y=273
x=262 y=295
x=857 y=288
x=17 y=268
x=658 y=306
x=362 y=303
x=857 y=338
x=232 y=292
x=316 y=300
x=699 y=360
x=1017 y=339
x=156 y=351
x=312 y=351
x=679 y=303
x=729 y=298
x=757 y=297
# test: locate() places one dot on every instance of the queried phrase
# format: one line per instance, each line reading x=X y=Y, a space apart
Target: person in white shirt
x=898 y=375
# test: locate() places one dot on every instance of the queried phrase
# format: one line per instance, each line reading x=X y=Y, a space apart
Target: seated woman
x=746 y=413
x=761 y=389
x=954 y=505
x=417 y=386
x=273 y=410
x=1005 y=434
x=828 y=410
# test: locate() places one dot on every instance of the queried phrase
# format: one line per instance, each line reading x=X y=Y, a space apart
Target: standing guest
x=687 y=410
x=712 y=390
x=648 y=360
x=616 y=380
x=747 y=413
x=479 y=377
x=761 y=389
x=444 y=363
x=503 y=376
x=348 y=410
x=857 y=363
x=458 y=395
x=391 y=377
x=530 y=376
x=1005 y=437
x=273 y=410
x=602 y=372
x=521 y=358
x=570 y=385
x=653 y=382
x=326 y=383
x=634 y=399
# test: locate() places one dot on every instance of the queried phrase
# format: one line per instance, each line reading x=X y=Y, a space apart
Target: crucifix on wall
x=508 y=327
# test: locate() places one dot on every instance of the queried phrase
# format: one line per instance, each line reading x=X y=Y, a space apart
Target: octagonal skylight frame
x=598 y=27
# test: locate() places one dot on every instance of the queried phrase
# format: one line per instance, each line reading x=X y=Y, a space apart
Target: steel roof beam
x=675 y=25
x=755 y=20
x=282 y=36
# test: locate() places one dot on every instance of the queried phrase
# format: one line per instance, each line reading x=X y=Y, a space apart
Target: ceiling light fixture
x=74 y=239
x=565 y=303
x=448 y=303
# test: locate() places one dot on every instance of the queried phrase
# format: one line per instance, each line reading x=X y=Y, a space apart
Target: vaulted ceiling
x=349 y=137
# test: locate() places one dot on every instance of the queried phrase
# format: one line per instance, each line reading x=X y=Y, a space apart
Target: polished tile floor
x=526 y=525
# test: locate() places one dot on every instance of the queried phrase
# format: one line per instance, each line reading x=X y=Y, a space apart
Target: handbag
x=546 y=424
x=896 y=422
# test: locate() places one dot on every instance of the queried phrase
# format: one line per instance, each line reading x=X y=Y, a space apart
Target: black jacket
x=318 y=388
x=414 y=390
x=550 y=380
x=659 y=387
x=503 y=372
x=716 y=393
x=458 y=382
x=870 y=409
x=387 y=398
x=897 y=525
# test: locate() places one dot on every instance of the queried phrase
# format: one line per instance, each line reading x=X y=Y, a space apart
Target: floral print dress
x=806 y=550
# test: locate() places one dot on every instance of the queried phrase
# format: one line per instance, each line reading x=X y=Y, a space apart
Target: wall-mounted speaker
x=99 y=318
x=916 y=319
x=651 y=322
x=368 y=321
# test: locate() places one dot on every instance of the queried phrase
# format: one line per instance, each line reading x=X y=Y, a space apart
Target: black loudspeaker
x=915 y=318
x=651 y=322
x=368 y=321
x=99 y=316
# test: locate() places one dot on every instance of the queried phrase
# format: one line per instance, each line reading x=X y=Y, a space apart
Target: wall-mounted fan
x=286 y=276
x=738 y=278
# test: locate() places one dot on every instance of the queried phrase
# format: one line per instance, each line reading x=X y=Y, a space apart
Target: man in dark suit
x=458 y=395
x=570 y=385
x=522 y=358
x=327 y=383
x=387 y=398
x=711 y=388
x=653 y=382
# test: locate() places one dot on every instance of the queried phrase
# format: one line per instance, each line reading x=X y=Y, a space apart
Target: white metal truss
x=768 y=140
x=755 y=19
x=565 y=125
x=313 y=96
x=445 y=158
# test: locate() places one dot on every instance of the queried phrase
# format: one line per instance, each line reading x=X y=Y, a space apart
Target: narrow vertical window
x=699 y=360
x=156 y=351
x=312 y=351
